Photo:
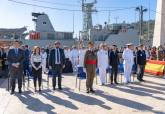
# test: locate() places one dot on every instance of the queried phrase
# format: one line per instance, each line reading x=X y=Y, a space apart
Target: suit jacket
x=15 y=58
x=0 y=54
x=52 y=58
x=27 y=54
x=113 y=58
x=141 y=57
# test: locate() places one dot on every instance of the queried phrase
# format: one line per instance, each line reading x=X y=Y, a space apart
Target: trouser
x=140 y=73
x=127 y=72
x=13 y=79
x=37 y=76
x=74 y=62
x=0 y=71
x=47 y=62
x=4 y=65
x=90 y=69
x=102 y=74
x=57 y=71
x=44 y=69
x=114 y=73
x=26 y=67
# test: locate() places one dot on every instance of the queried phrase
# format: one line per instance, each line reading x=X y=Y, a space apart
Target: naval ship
x=45 y=34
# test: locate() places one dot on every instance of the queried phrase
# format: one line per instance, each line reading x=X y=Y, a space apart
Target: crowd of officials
x=19 y=59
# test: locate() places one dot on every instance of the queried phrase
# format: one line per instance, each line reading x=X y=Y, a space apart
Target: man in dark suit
x=15 y=59
x=56 y=63
x=141 y=62
x=114 y=62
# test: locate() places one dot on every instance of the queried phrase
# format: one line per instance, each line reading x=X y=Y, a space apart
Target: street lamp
x=141 y=11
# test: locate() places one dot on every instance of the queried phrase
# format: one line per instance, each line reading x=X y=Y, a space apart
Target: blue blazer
x=52 y=57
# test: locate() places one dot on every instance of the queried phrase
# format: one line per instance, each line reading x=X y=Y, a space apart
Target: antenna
x=109 y=17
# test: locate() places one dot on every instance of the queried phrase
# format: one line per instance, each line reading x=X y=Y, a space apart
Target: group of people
x=56 y=59
x=3 y=62
x=20 y=57
x=104 y=58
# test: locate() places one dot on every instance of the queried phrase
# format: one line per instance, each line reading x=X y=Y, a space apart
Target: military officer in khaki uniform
x=90 y=63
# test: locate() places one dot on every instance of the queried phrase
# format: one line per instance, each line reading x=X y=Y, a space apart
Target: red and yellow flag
x=155 y=67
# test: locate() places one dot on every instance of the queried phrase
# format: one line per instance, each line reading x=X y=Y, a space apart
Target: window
x=50 y=36
x=44 y=23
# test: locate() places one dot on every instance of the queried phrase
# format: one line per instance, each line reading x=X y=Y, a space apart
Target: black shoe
x=139 y=79
x=111 y=83
x=39 y=90
x=54 y=88
x=102 y=84
x=20 y=91
x=60 y=88
x=12 y=92
x=92 y=91
x=87 y=91
x=142 y=80
x=116 y=83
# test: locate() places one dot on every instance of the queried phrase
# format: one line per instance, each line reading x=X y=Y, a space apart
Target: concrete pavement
x=137 y=98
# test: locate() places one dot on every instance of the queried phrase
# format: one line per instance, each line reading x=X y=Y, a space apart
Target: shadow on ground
x=59 y=101
x=35 y=104
x=85 y=99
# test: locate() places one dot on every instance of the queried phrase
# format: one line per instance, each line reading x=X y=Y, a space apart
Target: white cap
x=129 y=44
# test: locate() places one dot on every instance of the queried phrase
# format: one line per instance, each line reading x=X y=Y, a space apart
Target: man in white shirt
x=102 y=56
x=81 y=54
x=44 y=57
x=128 y=62
x=74 y=57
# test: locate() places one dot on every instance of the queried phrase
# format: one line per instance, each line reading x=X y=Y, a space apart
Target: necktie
x=16 y=51
x=58 y=60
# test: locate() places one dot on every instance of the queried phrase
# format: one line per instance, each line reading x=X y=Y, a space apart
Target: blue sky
x=13 y=15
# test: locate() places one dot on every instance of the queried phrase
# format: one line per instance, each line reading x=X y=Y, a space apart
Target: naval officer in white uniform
x=44 y=57
x=128 y=62
x=102 y=56
x=74 y=57
x=81 y=55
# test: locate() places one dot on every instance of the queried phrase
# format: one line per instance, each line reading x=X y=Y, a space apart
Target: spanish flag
x=155 y=67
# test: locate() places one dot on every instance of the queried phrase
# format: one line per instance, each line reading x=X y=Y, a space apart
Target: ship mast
x=87 y=9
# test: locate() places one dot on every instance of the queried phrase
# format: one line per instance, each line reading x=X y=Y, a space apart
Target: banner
x=155 y=67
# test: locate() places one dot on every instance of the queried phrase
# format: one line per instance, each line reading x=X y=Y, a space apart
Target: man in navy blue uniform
x=141 y=62
x=114 y=62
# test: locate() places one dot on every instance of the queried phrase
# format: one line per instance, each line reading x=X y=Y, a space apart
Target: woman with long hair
x=36 y=62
